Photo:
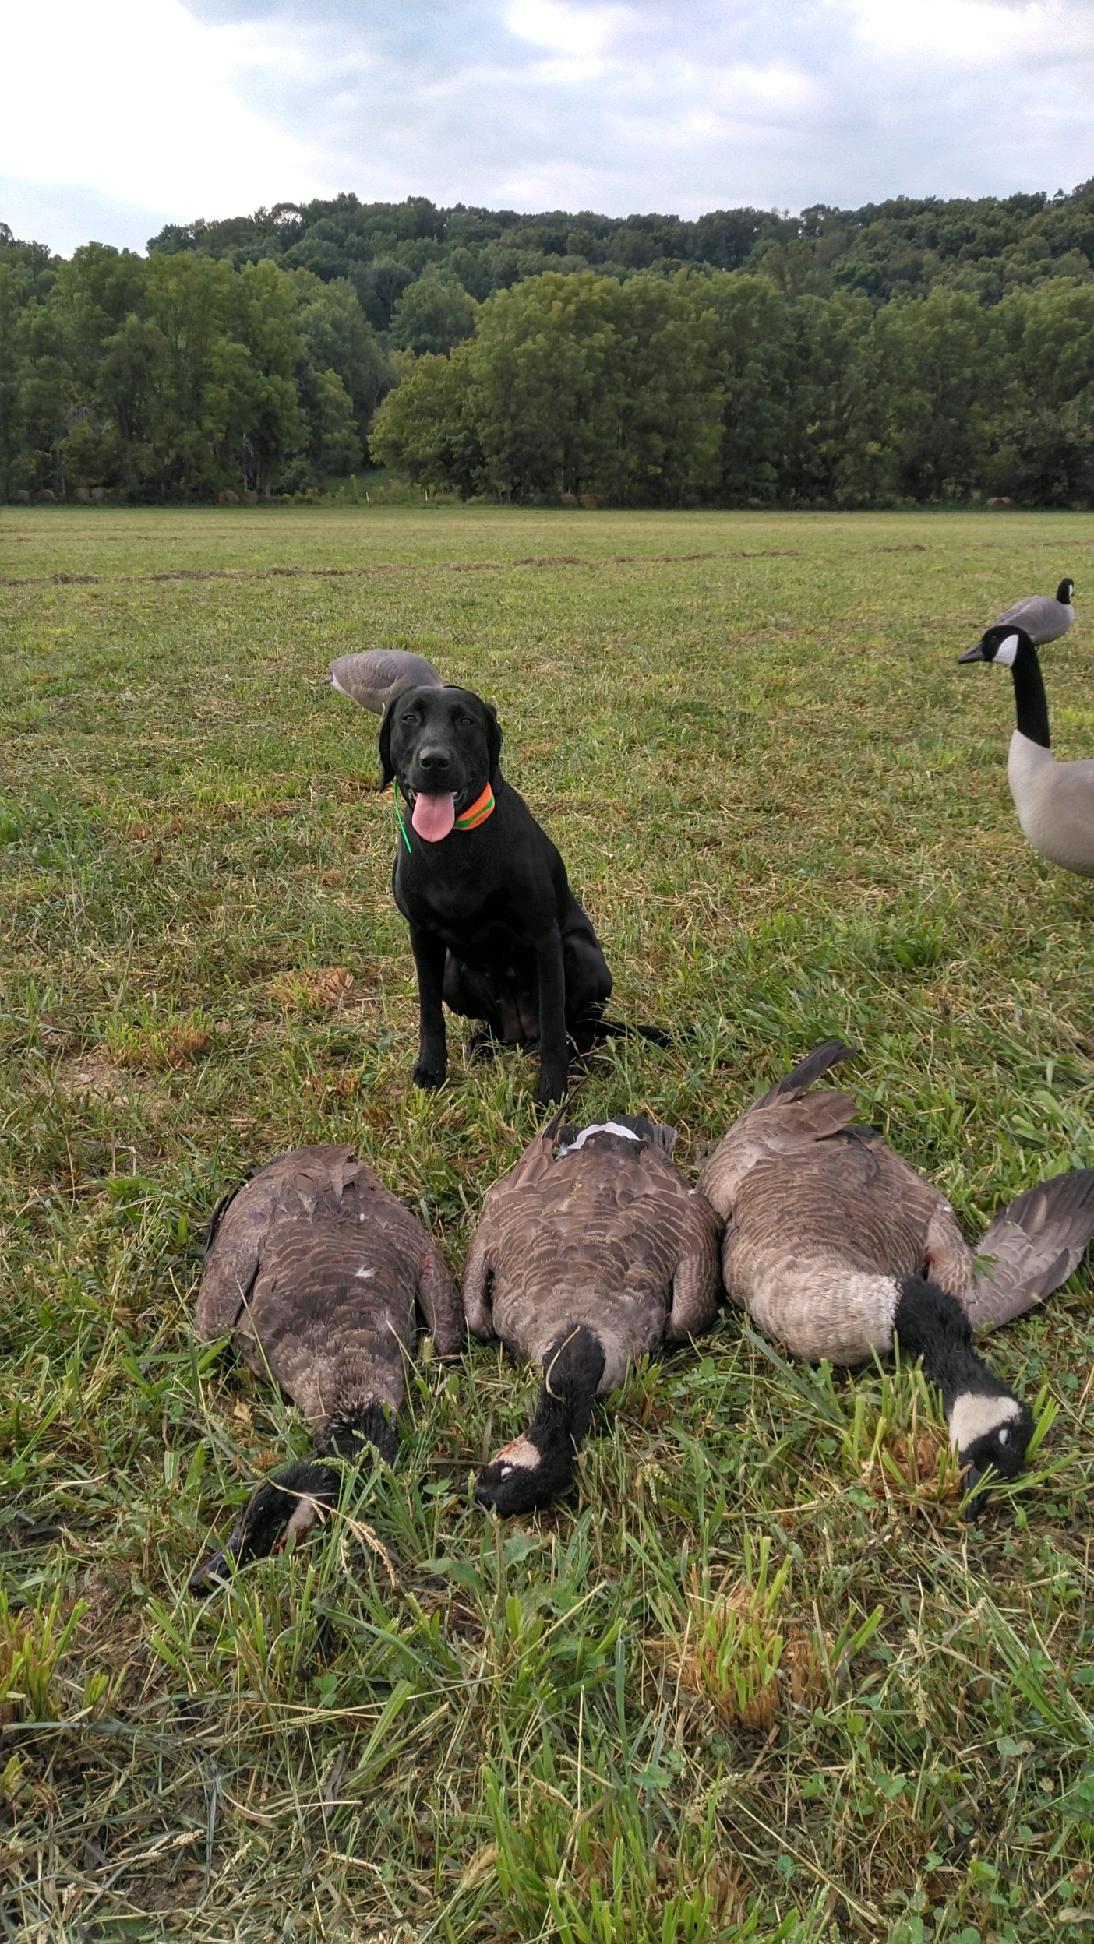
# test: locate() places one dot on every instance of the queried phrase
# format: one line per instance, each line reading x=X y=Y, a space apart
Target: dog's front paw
x=428 y=1073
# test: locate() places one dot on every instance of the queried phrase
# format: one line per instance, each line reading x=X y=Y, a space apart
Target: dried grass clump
x=326 y=988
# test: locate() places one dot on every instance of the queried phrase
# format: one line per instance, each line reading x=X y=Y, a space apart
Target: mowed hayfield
x=756 y=1679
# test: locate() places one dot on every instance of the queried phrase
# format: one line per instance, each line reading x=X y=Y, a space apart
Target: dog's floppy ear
x=387 y=769
x=493 y=738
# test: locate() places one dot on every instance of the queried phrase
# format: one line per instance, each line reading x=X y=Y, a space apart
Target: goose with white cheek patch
x=836 y=1248
x=319 y=1275
x=1054 y=801
x=377 y=675
x=1042 y=618
x=585 y=1259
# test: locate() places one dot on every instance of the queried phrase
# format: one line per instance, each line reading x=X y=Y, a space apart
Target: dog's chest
x=473 y=921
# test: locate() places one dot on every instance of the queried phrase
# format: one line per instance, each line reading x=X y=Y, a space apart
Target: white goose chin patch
x=1006 y=652
x=597 y=1127
x=974 y=1415
x=521 y=1455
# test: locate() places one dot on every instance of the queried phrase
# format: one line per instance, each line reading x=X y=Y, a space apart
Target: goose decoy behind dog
x=835 y=1247
x=315 y=1270
x=585 y=1259
x=374 y=677
x=1054 y=801
x=1043 y=618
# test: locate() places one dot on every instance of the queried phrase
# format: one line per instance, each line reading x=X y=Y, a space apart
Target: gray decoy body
x=373 y=677
x=1054 y=801
x=584 y=1260
x=835 y=1246
x=1043 y=617
x=318 y=1272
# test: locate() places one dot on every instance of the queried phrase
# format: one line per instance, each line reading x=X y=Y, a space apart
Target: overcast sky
x=121 y=115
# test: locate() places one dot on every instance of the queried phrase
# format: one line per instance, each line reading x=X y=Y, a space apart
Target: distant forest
x=912 y=351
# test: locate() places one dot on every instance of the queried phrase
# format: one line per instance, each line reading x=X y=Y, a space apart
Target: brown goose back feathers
x=316 y=1269
x=822 y=1218
x=609 y=1237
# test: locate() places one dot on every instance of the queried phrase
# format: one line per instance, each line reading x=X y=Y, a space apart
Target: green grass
x=756 y=1680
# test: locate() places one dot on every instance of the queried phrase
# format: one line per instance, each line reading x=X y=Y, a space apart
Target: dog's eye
x=463 y=720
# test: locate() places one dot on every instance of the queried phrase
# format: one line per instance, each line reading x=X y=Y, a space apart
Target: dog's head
x=443 y=745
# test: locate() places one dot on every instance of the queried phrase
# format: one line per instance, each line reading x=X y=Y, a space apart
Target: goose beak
x=977 y=1495
x=212 y=1572
x=973 y=654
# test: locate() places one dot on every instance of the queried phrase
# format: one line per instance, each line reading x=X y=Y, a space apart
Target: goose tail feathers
x=1034 y=1245
x=815 y=1064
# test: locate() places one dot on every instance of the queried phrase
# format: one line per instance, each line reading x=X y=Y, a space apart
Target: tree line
x=917 y=351
x=889 y=249
x=722 y=390
x=178 y=376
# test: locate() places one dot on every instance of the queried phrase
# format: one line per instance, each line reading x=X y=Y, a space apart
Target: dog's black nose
x=434 y=760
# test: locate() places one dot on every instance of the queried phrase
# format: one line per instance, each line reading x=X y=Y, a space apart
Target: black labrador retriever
x=495 y=929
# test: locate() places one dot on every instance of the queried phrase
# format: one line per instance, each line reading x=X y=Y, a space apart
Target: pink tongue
x=434 y=816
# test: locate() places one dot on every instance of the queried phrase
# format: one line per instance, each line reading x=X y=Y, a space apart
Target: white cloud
x=137 y=100
x=572 y=31
x=975 y=33
x=213 y=107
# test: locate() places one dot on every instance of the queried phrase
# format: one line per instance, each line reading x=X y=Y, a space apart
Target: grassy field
x=756 y=1680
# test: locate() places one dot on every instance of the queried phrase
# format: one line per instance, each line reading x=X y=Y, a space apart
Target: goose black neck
x=572 y=1370
x=931 y=1324
x=1030 y=700
x=351 y=1430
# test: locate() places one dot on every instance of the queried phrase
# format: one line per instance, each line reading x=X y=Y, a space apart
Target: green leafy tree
x=433 y=315
x=426 y=427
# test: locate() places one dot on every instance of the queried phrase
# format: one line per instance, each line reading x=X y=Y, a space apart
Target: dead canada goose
x=1054 y=801
x=835 y=1246
x=375 y=676
x=583 y=1261
x=1043 y=618
x=314 y=1268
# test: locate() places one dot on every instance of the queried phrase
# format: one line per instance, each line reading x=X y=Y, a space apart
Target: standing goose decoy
x=376 y=676
x=582 y=1262
x=314 y=1269
x=1042 y=618
x=835 y=1247
x=1054 y=801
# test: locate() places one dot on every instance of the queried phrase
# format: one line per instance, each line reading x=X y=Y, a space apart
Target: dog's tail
x=592 y=1029
x=622 y=1029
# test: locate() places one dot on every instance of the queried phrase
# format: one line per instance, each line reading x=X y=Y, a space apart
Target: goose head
x=990 y=1431
x=1004 y=643
x=274 y=1519
x=536 y=1468
x=1065 y=593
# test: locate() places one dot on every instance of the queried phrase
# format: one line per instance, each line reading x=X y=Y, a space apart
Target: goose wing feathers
x=290 y=1188
x=595 y=1237
x=1035 y=1243
x=784 y=1131
x=1043 y=618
